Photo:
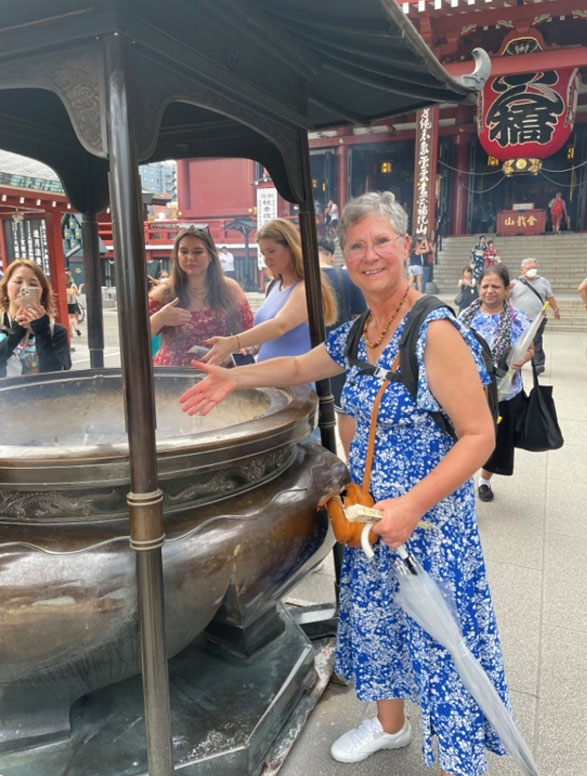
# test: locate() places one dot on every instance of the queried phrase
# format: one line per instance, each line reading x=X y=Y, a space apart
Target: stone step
x=562 y=259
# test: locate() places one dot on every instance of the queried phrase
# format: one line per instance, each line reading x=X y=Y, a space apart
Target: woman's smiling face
x=375 y=254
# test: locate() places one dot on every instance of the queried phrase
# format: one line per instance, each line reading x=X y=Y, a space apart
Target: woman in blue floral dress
x=418 y=472
x=501 y=325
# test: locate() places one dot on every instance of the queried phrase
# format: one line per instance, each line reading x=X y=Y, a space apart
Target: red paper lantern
x=527 y=115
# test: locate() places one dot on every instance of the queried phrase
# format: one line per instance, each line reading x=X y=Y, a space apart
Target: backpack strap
x=408 y=362
x=407 y=350
x=352 y=347
x=421 y=308
x=531 y=287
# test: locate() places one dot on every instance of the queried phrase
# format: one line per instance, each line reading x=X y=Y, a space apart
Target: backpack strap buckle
x=381 y=373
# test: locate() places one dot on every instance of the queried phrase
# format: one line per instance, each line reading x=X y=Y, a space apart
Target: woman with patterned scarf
x=501 y=325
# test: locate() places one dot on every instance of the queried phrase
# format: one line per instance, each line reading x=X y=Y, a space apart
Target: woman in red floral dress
x=197 y=303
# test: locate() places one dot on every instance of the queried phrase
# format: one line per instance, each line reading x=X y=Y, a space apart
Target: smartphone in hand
x=241 y=359
x=29 y=295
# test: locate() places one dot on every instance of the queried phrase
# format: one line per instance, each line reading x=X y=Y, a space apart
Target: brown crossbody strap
x=373 y=428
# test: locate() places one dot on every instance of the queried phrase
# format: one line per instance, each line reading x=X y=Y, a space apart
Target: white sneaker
x=369 y=737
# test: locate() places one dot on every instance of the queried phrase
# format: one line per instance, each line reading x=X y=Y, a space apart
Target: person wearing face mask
x=528 y=293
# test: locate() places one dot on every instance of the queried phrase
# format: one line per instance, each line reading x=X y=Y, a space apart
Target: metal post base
x=227 y=711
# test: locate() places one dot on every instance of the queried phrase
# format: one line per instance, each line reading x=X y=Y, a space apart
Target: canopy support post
x=307 y=218
x=327 y=419
x=90 y=243
x=145 y=500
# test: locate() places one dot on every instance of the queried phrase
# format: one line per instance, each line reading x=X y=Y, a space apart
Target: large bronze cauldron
x=239 y=506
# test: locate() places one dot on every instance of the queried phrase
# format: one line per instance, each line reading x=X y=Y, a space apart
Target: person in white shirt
x=528 y=294
x=226 y=261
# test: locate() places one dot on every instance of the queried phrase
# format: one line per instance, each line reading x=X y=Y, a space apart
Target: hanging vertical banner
x=29 y=241
x=266 y=210
x=425 y=172
x=527 y=114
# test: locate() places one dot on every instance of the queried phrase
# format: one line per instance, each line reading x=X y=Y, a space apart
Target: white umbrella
x=504 y=384
x=421 y=598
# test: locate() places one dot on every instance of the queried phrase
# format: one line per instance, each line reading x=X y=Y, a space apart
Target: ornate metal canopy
x=209 y=78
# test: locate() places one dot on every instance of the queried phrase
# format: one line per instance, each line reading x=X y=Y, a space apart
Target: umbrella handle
x=402 y=550
x=365 y=543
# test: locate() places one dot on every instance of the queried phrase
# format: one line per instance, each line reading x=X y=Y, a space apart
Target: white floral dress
x=386 y=653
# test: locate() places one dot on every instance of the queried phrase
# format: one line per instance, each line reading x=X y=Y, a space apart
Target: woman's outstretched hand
x=220 y=351
x=205 y=395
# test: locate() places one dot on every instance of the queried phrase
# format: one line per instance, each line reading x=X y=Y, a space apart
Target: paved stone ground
x=535 y=542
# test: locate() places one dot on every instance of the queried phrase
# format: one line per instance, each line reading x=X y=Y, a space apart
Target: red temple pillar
x=342 y=173
x=57 y=265
x=462 y=161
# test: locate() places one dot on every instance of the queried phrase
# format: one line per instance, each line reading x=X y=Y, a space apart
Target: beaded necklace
x=390 y=320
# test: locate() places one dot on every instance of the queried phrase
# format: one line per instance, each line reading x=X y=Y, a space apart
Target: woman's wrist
x=416 y=504
x=40 y=324
x=156 y=324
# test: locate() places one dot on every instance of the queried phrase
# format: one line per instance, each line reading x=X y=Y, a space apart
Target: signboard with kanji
x=527 y=115
x=266 y=210
x=425 y=172
x=521 y=222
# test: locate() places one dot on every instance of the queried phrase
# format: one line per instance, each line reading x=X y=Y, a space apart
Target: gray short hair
x=525 y=262
x=380 y=203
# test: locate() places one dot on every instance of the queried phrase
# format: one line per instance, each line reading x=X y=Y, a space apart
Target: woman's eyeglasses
x=383 y=246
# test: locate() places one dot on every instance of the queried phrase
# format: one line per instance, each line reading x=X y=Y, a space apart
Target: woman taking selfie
x=197 y=302
x=419 y=472
x=30 y=340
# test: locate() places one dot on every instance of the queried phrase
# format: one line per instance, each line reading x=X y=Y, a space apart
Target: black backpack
x=408 y=362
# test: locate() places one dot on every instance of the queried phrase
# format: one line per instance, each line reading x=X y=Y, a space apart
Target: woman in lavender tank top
x=281 y=323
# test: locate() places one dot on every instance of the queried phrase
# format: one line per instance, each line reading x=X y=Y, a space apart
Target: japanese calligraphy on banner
x=425 y=172
x=527 y=115
x=29 y=241
x=266 y=210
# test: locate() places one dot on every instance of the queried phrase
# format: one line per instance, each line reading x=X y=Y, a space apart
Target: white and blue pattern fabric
x=486 y=325
x=386 y=653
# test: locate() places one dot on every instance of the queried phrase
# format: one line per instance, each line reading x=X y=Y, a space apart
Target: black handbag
x=537 y=427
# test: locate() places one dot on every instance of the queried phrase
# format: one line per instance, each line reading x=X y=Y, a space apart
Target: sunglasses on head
x=198 y=229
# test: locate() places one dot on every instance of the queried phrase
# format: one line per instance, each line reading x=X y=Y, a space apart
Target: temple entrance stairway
x=561 y=258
